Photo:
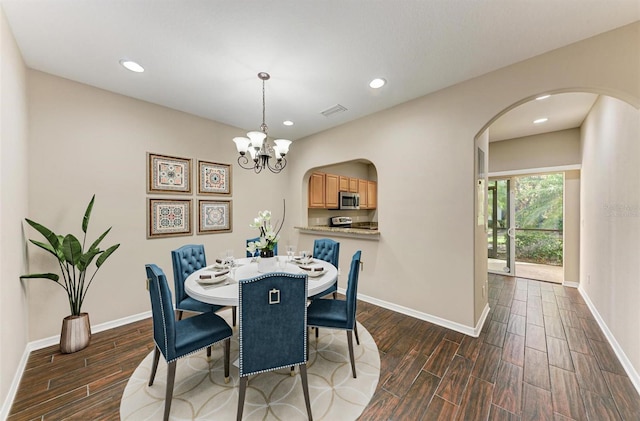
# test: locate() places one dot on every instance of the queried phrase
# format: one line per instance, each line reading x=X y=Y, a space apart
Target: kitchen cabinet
x=372 y=194
x=331 y=187
x=353 y=185
x=344 y=183
x=324 y=190
x=362 y=191
x=316 y=190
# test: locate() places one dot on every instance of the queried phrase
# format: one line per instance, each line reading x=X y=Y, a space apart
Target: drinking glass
x=282 y=262
x=291 y=251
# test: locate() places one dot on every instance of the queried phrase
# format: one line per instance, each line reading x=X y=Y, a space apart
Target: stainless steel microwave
x=348 y=200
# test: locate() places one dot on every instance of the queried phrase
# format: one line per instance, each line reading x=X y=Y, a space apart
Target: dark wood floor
x=541 y=356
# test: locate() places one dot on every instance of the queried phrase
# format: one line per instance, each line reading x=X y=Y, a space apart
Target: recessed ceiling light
x=131 y=65
x=540 y=120
x=288 y=123
x=541 y=97
x=377 y=83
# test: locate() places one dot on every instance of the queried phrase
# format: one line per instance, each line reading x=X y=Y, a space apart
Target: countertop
x=364 y=233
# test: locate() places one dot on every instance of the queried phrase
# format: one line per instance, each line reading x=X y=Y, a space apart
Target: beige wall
x=13 y=207
x=553 y=149
x=610 y=212
x=423 y=151
x=84 y=141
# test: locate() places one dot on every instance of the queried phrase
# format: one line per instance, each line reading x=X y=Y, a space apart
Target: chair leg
x=355 y=330
x=233 y=315
x=335 y=295
x=317 y=330
x=154 y=368
x=208 y=352
x=227 y=351
x=179 y=314
x=353 y=363
x=241 y=394
x=171 y=376
x=305 y=389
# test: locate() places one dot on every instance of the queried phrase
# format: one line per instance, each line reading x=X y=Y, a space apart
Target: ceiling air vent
x=336 y=109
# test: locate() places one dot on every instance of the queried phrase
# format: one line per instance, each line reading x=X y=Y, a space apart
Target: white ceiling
x=563 y=111
x=202 y=56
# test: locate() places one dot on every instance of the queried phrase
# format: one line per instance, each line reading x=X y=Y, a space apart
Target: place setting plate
x=212 y=278
x=313 y=271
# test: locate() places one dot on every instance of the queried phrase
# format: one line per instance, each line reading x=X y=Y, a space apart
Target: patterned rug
x=201 y=394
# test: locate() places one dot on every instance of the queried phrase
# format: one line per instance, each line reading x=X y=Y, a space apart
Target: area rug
x=201 y=394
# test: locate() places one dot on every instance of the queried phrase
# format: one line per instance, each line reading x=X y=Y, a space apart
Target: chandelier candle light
x=256 y=144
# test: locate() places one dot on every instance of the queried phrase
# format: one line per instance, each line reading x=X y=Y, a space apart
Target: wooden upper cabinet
x=316 y=190
x=344 y=183
x=372 y=194
x=362 y=191
x=331 y=187
x=353 y=185
x=324 y=191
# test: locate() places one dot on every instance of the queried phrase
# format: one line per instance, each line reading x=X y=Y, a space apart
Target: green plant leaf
x=87 y=215
x=72 y=249
x=51 y=237
x=46 y=247
x=51 y=276
x=106 y=254
x=87 y=258
x=95 y=243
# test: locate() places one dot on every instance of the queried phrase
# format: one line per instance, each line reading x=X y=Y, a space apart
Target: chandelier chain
x=264 y=125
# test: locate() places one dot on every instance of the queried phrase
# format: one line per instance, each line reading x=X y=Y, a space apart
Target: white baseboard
x=622 y=357
x=571 y=284
x=467 y=330
x=52 y=340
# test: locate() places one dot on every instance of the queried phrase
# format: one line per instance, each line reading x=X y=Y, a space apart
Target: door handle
x=511 y=232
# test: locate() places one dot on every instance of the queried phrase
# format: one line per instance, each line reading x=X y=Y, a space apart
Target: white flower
x=265 y=215
x=268 y=238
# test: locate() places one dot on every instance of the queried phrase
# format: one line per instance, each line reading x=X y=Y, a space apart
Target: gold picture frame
x=168 y=174
x=215 y=216
x=168 y=217
x=214 y=178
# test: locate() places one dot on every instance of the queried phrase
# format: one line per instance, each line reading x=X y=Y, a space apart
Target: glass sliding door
x=501 y=232
x=539 y=214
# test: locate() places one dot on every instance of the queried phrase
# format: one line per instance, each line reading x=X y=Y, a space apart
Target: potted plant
x=74 y=263
x=268 y=238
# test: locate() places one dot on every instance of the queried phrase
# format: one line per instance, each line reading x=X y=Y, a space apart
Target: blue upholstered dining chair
x=339 y=314
x=257 y=253
x=273 y=328
x=186 y=260
x=329 y=251
x=179 y=338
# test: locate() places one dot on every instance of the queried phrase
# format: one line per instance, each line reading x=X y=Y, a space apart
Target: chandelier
x=257 y=146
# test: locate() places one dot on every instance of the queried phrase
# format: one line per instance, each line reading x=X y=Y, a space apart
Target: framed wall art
x=214 y=178
x=214 y=216
x=169 y=217
x=168 y=174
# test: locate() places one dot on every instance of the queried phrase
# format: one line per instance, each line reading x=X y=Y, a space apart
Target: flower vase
x=267 y=261
x=76 y=333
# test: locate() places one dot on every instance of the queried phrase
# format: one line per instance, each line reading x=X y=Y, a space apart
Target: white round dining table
x=226 y=293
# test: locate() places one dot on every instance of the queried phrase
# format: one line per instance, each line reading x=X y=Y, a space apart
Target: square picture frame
x=215 y=216
x=168 y=174
x=168 y=217
x=214 y=178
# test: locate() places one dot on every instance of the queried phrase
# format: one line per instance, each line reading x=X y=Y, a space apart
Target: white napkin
x=312 y=268
x=213 y=273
